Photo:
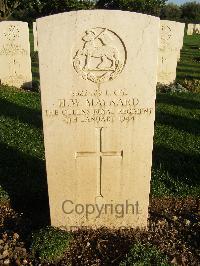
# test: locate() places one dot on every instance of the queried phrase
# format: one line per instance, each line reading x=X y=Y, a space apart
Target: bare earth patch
x=173 y=230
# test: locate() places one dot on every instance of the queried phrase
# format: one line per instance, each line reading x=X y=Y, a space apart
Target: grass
x=189 y=65
x=50 y=244
x=144 y=255
x=22 y=164
x=176 y=156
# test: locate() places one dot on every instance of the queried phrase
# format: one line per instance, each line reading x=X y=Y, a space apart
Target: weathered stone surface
x=190 y=29
x=180 y=33
x=171 y=42
x=15 y=67
x=98 y=83
x=35 y=37
x=197 y=28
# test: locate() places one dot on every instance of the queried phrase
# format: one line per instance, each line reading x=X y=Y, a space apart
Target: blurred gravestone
x=15 y=67
x=35 y=37
x=98 y=83
x=197 y=29
x=190 y=29
x=171 y=42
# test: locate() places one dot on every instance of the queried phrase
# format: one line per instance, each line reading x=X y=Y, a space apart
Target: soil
x=174 y=228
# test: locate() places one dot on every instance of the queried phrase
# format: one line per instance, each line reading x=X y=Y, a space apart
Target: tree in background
x=171 y=12
x=7 y=7
x=29 y=10
x=191 y=12
x=54 y=6
x=152 y=7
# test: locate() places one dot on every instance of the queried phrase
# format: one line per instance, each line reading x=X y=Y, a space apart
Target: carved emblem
x=101 y=55
x=12 y=33
x=166 y=33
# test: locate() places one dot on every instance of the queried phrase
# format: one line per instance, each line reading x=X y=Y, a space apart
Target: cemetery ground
x=173 y=235
x=188 y=68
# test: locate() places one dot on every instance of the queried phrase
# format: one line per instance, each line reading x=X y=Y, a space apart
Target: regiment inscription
x=98 y=106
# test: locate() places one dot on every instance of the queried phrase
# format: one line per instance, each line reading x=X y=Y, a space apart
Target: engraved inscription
x=11 y=49
x=110 y=106
x=13 y=52
x=101 y=55
x=166 y=33
x=99 y=154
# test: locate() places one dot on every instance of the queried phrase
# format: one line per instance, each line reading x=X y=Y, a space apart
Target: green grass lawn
x=189 y=65
x=176 y=155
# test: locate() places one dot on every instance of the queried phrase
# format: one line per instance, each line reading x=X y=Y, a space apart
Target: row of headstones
x=193 y=29
x=15 y=52
x=98 y=76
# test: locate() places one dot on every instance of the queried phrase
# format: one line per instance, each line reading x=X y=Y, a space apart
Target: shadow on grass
x=24 y=179
x=189 y=67
x=184 y=74
x=191 y=126
x=22 y=113
x=190 y=52
x=182 y=167
x=35 y=64
x=178 y=101
x=35 y=75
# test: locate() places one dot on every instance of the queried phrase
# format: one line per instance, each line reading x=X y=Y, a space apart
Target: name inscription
x=98 y=106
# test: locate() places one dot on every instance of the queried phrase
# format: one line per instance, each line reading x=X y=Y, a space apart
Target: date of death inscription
x=96 y=106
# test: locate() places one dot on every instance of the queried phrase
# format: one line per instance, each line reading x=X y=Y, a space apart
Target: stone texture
x=98 y=84
x=171 y=42
x=190 y=29
x=35 y=37
x=197 y=28
x=181 y=33
x=15 y=67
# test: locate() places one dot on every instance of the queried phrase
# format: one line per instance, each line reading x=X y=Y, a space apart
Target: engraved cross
x=99 y=154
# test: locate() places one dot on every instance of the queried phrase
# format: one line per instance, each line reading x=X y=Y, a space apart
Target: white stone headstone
x=180 y=33
x=98 y=73
x=15 y=67
x=35 y=37
x=190 y=29
x=171 y=42
x=197 y=28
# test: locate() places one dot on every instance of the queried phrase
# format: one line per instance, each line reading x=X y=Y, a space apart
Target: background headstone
x=190 y=29
x=181 y=33
x=197 y=29
x=35 y=37
x=98 y=84
x=15 y=67
x=171 y=42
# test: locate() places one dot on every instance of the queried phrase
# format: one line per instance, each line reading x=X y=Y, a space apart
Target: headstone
x=15 y=67
x=171 y=42
x=197 y=29
x=181 y=33
x=35 y=37
x=98 y=84
x=190 y=29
